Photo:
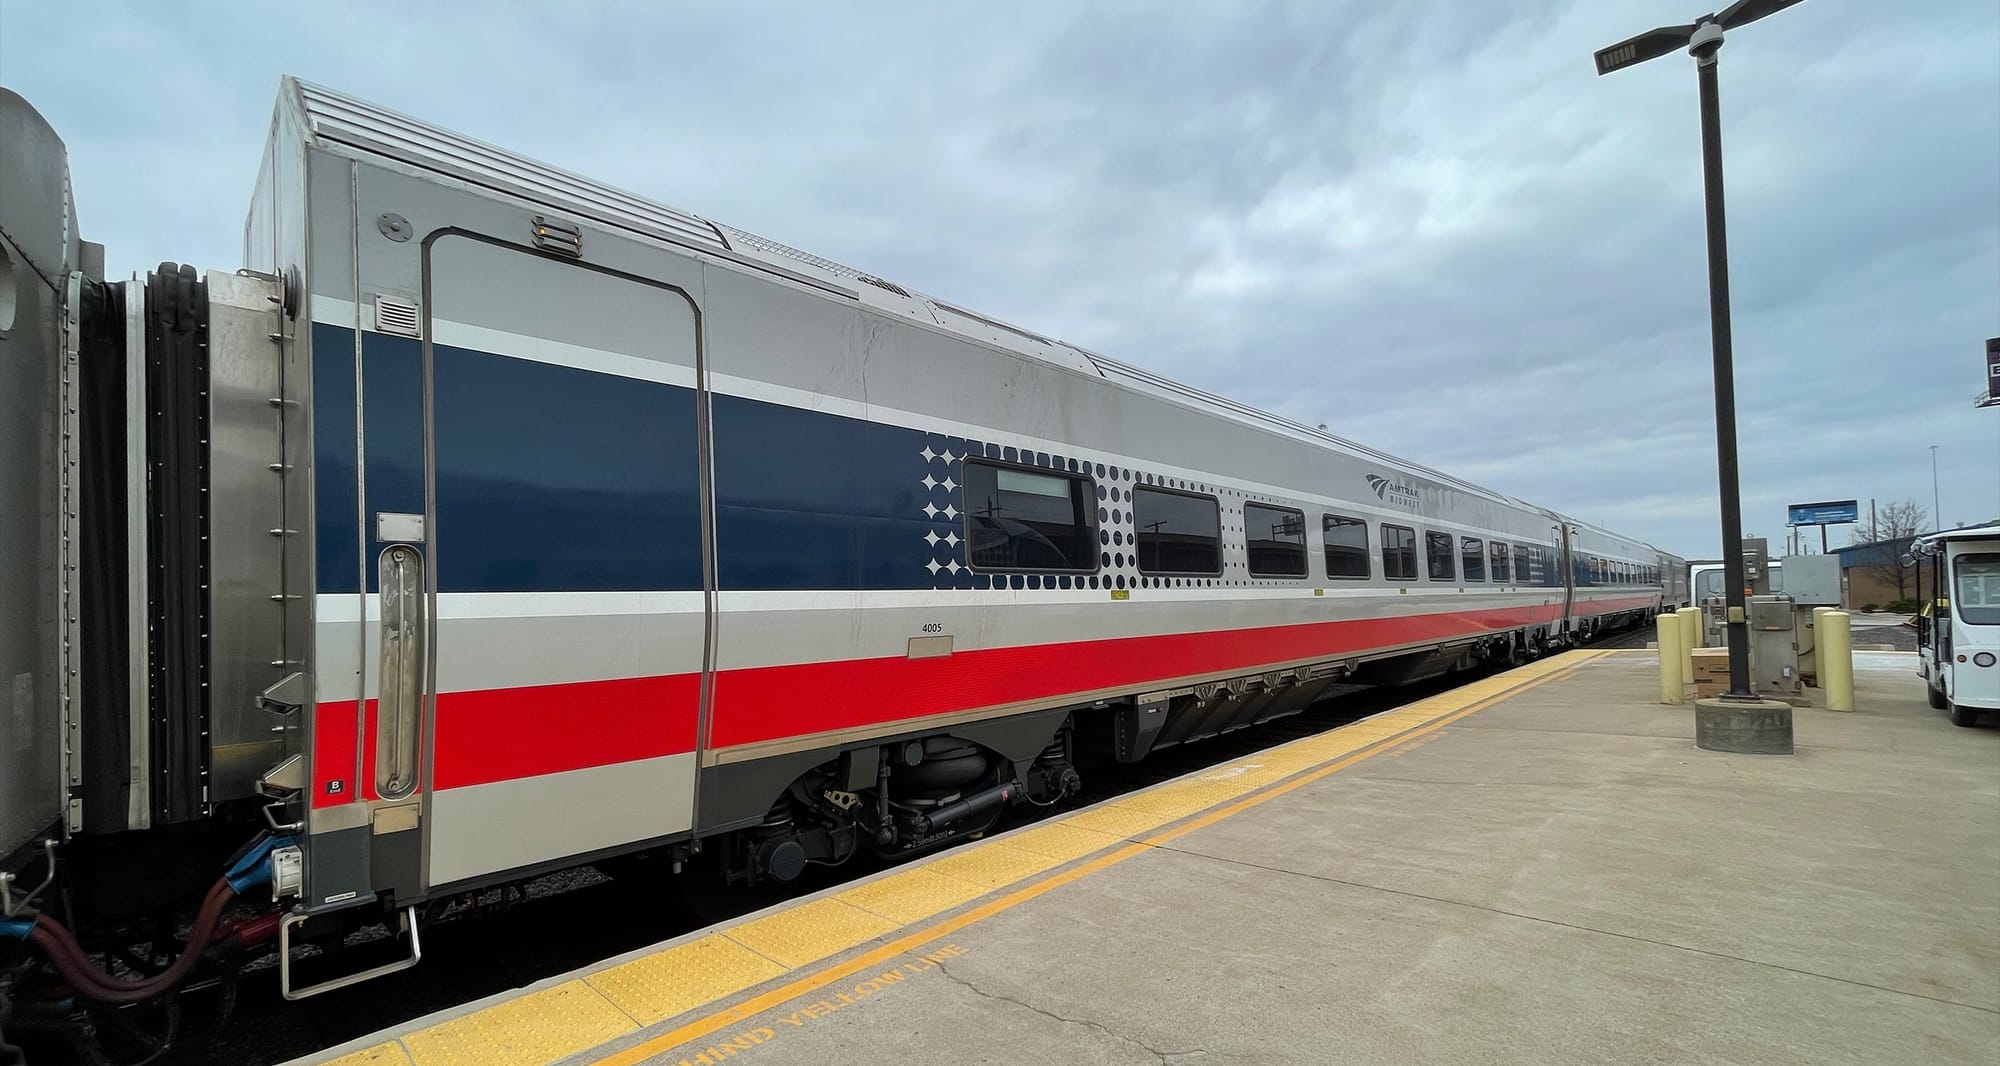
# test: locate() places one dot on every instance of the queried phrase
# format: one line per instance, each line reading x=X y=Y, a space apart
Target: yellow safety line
x=757 y=1005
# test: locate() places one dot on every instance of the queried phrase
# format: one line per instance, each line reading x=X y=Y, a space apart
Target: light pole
x=1937 y=513
x=1703 y=39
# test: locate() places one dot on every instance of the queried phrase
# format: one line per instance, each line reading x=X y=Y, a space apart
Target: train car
x=491 y=520
x=1958 y=632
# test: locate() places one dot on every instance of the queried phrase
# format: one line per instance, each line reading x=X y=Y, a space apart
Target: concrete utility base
x=1745 y=727
x=1544 y=874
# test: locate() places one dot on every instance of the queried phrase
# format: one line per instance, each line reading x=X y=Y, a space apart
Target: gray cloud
x=1426 y=224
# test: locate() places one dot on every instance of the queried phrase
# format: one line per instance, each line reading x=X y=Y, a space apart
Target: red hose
x=252 y=932
x=69 y=959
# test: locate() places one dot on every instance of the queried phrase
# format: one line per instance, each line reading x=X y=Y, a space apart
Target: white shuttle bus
x=1958 y=634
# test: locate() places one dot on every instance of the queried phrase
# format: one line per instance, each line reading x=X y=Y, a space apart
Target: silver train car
x=491 y=520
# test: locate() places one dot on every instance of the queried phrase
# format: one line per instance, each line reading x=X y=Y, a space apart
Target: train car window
x=1027 y=520
x=1346 y=547
x=1178 y=532
x=1437 y=549
x=1276 y=539
x=1399 y=553
x=1501 y=572
x=1472 y=558
x=1528 y=564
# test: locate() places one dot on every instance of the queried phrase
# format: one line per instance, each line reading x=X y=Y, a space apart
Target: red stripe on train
x=775 y=702
x=504 y=734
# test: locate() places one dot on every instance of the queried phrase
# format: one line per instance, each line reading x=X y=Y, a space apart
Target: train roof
x=332 y=118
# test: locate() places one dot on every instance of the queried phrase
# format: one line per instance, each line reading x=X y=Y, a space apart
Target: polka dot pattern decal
x=1112 y=492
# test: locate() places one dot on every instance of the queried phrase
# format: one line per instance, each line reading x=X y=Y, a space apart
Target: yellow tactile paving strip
x=810 y=931
x=548 y=1025
x=389 y=1054
x=913 y=895
x=683 y=977
x=543 y=1026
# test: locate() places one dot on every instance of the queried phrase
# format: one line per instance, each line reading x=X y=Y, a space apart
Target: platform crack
x=1167 y=1058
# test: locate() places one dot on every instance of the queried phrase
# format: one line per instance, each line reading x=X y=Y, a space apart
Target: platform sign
x=1833 y=513
x=1993 y=369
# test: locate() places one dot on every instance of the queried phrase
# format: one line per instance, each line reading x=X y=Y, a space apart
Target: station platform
x=1536 y=867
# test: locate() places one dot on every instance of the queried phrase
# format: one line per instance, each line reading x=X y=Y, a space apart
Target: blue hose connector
x=254 y=868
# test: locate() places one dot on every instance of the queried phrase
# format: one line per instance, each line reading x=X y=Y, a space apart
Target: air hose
x=73 y=964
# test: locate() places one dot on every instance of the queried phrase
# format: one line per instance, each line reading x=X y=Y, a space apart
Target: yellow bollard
x=1690 y=640
x=1836 y=660
x=1809 y=661
x=1668 y=629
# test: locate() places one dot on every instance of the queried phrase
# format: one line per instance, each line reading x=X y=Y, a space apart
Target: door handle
x=399 y=703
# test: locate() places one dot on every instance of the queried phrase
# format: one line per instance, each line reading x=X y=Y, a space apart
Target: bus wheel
x=1937 y=698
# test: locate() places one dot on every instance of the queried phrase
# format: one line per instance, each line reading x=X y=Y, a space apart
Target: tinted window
x=1177 y=533
x=1501 y=572
x=1708 y=583
x=1399 y=553
x=1437 y=549
x=1276 y=539
x=1346 y=546
x=1976 y=597
x=1472 y=558
x=1027 y=520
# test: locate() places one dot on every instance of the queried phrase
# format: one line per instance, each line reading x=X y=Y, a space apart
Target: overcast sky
x=1426 y=224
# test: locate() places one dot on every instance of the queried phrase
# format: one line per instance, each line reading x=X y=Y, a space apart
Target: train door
x=1566 y=567
x=557 y=679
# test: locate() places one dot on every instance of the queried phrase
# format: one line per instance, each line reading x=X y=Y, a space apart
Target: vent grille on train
x=394 y=315
x=880 y=283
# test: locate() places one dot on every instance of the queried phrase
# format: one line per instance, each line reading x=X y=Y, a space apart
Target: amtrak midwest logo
x=1390 y=492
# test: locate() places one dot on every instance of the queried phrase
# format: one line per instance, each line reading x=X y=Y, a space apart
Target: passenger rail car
x=492 y=520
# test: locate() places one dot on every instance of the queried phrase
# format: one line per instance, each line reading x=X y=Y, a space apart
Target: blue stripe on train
x=335 y=509
x=553 y=478
x=807 y=500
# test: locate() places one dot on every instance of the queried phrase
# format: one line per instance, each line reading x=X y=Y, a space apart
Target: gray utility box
x=1774 y=646
x=1756 y=565
x=1813 y=580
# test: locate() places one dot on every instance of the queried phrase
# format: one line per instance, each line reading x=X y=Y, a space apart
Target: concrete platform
x=1539 y=867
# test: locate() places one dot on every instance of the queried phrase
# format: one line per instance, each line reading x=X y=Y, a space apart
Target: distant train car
x=493 y=521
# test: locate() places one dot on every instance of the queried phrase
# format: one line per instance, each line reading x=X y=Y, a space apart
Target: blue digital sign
x=1834 y=513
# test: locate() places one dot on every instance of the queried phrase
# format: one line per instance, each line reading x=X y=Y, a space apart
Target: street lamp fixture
x=1703 y=39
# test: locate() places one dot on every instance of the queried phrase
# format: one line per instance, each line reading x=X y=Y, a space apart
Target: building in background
x=1872 y=575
